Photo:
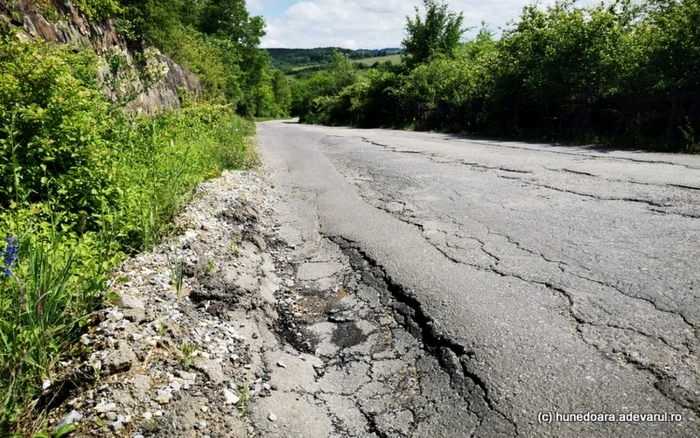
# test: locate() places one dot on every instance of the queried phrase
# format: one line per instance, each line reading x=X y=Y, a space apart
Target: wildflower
x=9 y=256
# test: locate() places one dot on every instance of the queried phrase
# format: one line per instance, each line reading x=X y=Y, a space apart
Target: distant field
x=395 y=59
x=304 y=67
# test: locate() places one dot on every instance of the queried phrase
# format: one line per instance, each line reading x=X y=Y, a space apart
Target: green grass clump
x=81 y=186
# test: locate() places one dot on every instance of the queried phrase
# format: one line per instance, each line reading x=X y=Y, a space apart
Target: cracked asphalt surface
x=533 y=278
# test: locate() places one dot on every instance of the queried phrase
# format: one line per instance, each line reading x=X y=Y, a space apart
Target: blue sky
x=368 y=24
x=270 y=8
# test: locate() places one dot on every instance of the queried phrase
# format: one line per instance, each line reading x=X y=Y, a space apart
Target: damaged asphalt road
x=532 y=280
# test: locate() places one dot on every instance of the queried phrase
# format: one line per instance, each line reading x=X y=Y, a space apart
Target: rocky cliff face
x=68 y=26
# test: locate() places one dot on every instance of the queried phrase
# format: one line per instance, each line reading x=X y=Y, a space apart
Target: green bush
x=98 y=9
x=45 y=155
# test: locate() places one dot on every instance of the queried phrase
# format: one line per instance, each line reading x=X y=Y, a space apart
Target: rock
x=211 y=369
x=164 y=396
x=133 y=308
x=141 y=384
x=201 y=425
x=111 y=416
x=117 y=425
x=281 y=364
x=147 y=415
x=272 y=417
x=230 y=397
x=191 y=377
x=119 y=360
x=103 y=408
x=70 y=418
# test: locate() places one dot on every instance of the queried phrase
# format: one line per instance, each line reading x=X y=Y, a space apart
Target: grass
x=176 y=274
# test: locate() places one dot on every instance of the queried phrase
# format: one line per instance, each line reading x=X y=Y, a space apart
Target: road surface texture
x=536 y=281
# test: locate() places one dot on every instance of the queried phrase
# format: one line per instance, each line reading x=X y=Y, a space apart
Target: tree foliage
x=436 y=34
x=216 y=39
x=626 y=73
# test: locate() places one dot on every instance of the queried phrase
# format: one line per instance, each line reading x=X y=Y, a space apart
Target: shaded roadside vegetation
x=83 y=184
x=625 y=73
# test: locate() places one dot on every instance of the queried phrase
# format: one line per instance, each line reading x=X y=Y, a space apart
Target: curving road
x=558 y=280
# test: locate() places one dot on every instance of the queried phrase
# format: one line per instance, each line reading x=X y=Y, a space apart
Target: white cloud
x=371 y=23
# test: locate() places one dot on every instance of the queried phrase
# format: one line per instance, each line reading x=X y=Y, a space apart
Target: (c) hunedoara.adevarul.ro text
x=597 y=417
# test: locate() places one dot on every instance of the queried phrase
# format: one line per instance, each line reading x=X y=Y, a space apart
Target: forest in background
x=623 y=73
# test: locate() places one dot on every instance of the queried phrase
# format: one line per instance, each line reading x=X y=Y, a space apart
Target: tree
x=438 y=34
x=342 y=70
x=283 y=93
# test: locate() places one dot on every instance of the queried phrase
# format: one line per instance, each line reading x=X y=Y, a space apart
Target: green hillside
x=294 y=60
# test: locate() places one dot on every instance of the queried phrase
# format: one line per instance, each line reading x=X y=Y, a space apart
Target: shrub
x=54 y=125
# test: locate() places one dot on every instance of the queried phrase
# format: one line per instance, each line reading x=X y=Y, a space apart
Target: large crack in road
x=520 y=283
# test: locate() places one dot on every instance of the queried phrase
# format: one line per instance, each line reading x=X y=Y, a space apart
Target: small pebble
x=107 y=407
x=272 y=417
x=70 y=418
x=281 y=364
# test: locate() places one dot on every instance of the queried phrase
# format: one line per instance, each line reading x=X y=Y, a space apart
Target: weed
x=188 y=351
x=245 y=395
x=176 y=274
x=235 y=248
x=691 y=144
x=211 y=267
x=416 y=417
x=162 y=328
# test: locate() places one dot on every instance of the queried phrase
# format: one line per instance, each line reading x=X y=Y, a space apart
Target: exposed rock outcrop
x=66 y=25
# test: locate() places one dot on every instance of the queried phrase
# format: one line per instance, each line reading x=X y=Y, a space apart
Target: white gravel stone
x=105 y=407
x=230 y=397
